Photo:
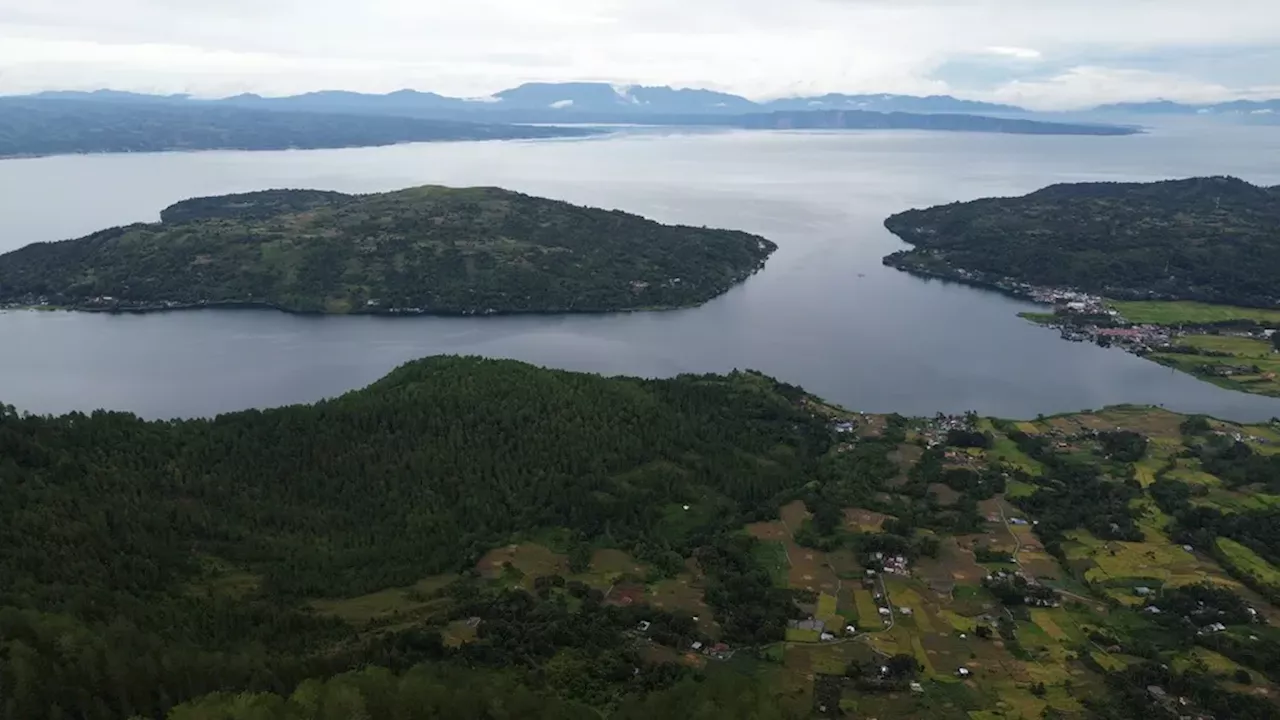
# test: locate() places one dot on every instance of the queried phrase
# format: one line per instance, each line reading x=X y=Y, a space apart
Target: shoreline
x=263 y=306
x=1083 y=317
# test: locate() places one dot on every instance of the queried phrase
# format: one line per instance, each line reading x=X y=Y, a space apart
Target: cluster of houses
x=717 y=651
x=1037 y=594
x=892 y=564
x=935 y=429
x=1077 y=309
x=1072 y=301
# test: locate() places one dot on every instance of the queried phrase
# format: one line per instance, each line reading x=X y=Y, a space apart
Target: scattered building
x=963 y=672
x=644 y=626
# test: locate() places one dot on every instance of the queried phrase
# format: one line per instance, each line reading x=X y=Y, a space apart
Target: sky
x=1043 y=54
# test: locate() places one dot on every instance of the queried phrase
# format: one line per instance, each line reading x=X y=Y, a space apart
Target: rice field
x=1247 y=562
x=1189 y=313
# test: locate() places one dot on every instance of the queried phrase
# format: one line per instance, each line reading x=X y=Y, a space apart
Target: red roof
x=1120 y=332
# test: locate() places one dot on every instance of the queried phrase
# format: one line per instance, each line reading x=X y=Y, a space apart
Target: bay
x=825 y=314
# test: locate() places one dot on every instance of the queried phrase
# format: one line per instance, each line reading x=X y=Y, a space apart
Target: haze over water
x=824 y=314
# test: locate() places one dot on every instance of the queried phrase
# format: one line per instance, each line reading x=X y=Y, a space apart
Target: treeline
x=56 y=127
x=149 y=562
x=1208 y=239
x=429 y=249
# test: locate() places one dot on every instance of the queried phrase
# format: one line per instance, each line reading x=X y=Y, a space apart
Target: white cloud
x=1088 y=85
x=754 y=47
x=1016 y=52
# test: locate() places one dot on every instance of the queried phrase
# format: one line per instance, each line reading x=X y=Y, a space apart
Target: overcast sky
x=1051 y=54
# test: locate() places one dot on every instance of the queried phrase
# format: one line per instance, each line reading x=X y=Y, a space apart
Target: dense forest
x=428 y=249
x=121 y=539
x=1211 y=239
x=54 y=127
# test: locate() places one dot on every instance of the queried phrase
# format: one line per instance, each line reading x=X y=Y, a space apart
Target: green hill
x=148 y=562
x=1214 y=239
x=471 y=538
x=421 y=250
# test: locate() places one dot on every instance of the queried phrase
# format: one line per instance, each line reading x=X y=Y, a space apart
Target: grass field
x=1189 y=313
x=805 y=636
x=827 y=612
x=531 y=559
x=385 y=605
x=1257 y=384
x=859 y=520
x=1238 y=346
x=1246 y=562
x=772 y=556
x=1007 y=451
x=868 y=611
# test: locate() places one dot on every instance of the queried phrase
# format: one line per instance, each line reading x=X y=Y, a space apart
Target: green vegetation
x=1182 y=312
x=1245 y=562
x=427 y=249
x=55 y=127
x=1203 y=239
x=474 y=538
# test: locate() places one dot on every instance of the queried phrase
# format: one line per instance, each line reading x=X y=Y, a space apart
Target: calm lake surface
x=824 y=314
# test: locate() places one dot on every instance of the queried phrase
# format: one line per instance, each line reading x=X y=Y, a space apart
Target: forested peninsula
x=423 y=250
x=484 y=539
x=1210 y=239
x=34 y=127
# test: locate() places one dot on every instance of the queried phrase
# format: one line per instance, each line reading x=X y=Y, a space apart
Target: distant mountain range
x=53 y=123
x=58 y=126
x=1166 y=107
x=560 y=100
x=602 y=102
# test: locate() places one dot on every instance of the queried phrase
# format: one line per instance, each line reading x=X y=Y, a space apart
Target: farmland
x=1021 y=661
x=1189 y=313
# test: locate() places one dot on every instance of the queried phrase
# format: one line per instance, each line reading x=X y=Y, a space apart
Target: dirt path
x=1017 y=541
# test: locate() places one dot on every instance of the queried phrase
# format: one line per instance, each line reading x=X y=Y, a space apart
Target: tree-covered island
x=422 y=250
x=1186 y=272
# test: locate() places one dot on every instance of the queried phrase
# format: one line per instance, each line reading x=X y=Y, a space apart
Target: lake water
x=824 y=314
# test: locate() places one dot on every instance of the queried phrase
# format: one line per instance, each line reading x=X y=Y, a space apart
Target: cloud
x=1015 y=52
x=760 y=48
x=1091 y=85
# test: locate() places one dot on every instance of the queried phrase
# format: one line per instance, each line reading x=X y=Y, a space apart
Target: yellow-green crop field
x=1189 y=313
x=1247 y=562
